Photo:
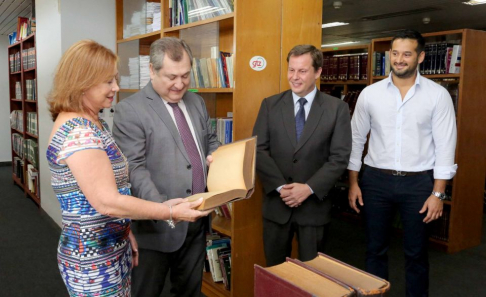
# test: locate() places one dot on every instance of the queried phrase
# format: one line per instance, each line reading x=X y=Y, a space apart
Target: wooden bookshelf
x=466 y=207
x=24 y=106
x=256 y=28
x=342 y=87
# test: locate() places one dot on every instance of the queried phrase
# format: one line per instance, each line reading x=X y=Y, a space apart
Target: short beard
x=407 y=73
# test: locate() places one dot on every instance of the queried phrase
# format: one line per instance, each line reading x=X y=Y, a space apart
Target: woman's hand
x=184 y=211
x=133 y=243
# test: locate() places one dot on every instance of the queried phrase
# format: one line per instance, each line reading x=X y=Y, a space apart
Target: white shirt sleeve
x=444 y=134
x=360 y=126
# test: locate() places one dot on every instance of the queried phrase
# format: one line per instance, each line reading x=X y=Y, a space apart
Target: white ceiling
x=9 y=11
x=394 y=15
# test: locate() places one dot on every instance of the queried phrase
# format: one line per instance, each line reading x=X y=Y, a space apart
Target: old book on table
x=231 y=175
x=365 y=284
x=291 y=279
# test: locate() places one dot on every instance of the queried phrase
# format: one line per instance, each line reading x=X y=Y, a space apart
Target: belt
x=400 y=173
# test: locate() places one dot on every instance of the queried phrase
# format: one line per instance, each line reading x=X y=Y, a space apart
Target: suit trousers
x=277 y=240
x=383 y=194
x=186 y=267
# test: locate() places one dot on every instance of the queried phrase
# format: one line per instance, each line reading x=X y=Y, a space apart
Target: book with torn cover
x=231 y=175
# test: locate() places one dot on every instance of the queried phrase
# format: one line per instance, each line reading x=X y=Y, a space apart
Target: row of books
x=31 y=151
x=30 y=89
x=28 y=58
x=214 y=72
x=25 y=27
x=144 y=20
x=345 y=67
x=18 y=144
x=223 y=127
x=441 y=58
x=183 y=12
x=153 y=16
x=14 y=62
x=351 y=98
x=380 y=63
x=32 y=123
x=218 y=259
x=322 y=276
x=33 y=179
x=17 y=120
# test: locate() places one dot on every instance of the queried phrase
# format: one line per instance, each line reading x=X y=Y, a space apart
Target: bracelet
x=170 y=221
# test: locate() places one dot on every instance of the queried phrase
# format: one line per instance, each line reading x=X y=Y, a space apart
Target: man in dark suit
x=164 y=131
x=304 y=144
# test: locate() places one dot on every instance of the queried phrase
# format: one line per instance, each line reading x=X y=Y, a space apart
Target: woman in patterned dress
x=90 y=178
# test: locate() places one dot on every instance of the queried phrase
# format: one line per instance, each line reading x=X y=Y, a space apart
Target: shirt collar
x=309 y=97
x=389 y=80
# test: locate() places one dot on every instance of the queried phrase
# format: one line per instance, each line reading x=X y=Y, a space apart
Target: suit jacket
x=159 y=166
x=318 y=159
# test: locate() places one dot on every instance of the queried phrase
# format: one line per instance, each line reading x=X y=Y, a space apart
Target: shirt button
x=188 y=191
x=189 y=166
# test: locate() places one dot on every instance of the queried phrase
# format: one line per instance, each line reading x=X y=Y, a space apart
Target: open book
x=231 y=175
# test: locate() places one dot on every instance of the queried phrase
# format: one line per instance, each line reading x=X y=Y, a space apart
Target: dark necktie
x=198 y=185
x=300 y=118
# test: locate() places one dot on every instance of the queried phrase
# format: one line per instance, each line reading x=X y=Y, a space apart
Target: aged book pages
x=231 y=174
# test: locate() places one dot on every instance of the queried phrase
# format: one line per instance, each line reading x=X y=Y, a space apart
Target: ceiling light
x=474 y=2
x=337 y=4
x=341 y=43
x=334 y=24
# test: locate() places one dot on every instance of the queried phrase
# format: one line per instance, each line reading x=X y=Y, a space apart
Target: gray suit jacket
x=319 y=157
x=158 y=163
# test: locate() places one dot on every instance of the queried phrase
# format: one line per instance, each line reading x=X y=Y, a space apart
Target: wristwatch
x=441 y=196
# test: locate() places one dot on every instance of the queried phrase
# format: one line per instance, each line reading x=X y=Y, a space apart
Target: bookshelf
x=464 y=225
x=24 y=122
x=255 y=28
x=337 y=86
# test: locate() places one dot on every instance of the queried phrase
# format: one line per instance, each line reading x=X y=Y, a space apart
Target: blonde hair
x=84 y=65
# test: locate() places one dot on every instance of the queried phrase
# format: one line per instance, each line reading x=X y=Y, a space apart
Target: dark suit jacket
x=318 y=159
x=158 y=163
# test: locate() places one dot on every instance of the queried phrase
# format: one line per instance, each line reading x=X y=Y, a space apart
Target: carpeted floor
x=28 y=263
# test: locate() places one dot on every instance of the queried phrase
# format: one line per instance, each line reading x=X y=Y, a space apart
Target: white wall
x=5 y=149
x=59 y=25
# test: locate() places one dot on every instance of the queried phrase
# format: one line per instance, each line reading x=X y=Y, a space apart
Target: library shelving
x=23 y=117
x=462 y=227
x=354 y=77
x=267 y=29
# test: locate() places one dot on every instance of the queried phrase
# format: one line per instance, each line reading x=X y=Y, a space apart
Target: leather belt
x=400 y=173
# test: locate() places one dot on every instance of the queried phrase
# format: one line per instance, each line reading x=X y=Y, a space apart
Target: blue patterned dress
x=94 y=253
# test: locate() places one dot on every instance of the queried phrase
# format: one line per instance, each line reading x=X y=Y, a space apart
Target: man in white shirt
x=410 y=157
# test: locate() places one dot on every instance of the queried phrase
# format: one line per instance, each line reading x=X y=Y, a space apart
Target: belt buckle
x=399 y=173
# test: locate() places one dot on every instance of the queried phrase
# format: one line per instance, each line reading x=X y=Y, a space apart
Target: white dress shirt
x=310 y=98
x=414 y=134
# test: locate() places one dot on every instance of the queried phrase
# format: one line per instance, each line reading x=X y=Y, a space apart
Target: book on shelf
x=231 y=175
x=22 y=24
x=12 y=37
x=292 y=278
x=455 y=64
x=183 y=12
